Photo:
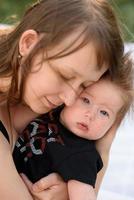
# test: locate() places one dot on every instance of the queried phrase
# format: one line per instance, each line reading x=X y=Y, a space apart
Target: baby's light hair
x=125 y=83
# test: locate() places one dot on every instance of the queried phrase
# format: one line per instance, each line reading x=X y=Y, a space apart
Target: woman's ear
x=27 y=41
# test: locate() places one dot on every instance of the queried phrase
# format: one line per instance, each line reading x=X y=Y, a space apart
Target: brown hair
x=57 y=19
x=125 y=83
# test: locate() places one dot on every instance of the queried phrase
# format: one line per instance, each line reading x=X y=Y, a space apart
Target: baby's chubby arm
x=79 y=191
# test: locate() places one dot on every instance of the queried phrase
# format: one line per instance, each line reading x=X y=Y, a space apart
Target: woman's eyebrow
x=65 y=68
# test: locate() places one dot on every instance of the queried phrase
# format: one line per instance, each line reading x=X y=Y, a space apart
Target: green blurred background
x=12 y=10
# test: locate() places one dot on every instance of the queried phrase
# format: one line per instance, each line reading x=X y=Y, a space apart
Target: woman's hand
x=51 y=187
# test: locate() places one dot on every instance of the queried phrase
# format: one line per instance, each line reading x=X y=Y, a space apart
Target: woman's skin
x=48 y=85
x=103 y=145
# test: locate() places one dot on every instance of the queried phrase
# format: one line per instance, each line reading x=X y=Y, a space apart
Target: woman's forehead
x=85 y=56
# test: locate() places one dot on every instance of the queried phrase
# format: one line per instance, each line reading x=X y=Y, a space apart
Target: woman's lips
x=50 y=104
x=82 y=126
x=56 y=104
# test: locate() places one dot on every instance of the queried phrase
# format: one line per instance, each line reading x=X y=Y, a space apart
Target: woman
x=59 y=48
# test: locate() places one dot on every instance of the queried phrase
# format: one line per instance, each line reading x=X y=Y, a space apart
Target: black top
x=46 y=146
x=3 y=130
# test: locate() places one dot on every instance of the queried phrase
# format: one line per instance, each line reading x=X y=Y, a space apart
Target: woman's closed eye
x=65 y=77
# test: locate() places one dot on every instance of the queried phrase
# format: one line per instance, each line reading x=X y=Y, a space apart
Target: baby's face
x=94 y=112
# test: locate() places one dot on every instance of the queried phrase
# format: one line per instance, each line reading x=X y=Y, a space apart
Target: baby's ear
x=27 y=41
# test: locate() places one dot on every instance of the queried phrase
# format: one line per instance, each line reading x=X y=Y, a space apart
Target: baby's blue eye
x=104 y=113
x=86 y=100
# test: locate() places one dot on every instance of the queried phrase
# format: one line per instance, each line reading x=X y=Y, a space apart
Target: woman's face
x=61 y=80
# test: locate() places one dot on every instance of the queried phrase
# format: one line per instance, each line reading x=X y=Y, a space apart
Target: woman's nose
x=70 y=94
x=68 y=99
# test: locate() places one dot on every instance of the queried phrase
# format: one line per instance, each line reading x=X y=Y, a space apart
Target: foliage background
x=12 y=10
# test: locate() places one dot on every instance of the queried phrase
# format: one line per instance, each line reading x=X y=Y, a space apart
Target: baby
x=63 y=140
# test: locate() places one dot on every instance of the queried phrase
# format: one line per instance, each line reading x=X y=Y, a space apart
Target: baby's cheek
x=101 y=129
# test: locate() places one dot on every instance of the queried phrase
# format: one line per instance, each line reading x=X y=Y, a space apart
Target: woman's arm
x=11 y=185
x=80 y=191
x=103 y=146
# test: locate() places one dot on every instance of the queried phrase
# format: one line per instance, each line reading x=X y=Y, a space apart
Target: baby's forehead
x=101 y=84
x=105 y=92
x=92 y=86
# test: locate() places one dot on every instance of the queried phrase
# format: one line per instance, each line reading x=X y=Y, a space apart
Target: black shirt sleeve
x=80 y=164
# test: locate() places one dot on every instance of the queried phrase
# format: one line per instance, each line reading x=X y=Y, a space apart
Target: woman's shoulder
x=4 y=121
x=5 y=146
x=4 y=131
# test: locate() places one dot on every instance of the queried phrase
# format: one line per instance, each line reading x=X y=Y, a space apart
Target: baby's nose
x=91 y=113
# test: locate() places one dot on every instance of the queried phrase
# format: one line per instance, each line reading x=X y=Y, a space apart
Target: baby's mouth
x=82 y=126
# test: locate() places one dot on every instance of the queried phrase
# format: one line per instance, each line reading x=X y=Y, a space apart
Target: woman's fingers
x=51 y=187
x=47 y=182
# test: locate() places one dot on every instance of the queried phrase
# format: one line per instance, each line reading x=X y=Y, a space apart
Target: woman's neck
x=21 y=115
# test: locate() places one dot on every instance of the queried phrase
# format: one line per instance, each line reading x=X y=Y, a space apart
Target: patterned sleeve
x=31 y=142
